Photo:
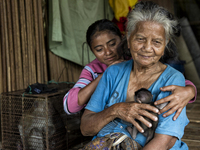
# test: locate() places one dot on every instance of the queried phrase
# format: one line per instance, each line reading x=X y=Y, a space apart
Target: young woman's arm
x=179 y=98
x=193 y=88
x=85 y=93
x=168 y=131
x=78 y=96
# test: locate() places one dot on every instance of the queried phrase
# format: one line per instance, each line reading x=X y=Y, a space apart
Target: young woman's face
x=104 y=46
x=147 y=43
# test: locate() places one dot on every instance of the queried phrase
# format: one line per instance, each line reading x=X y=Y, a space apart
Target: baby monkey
x=144 y=96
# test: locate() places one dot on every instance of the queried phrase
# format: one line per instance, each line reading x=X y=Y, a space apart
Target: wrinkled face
x=147 y=43
x=104 y=46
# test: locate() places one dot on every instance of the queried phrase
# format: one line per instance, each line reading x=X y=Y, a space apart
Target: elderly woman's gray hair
x=149 y=11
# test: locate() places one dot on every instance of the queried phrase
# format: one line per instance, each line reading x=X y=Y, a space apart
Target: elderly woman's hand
x=129 y=111
x=178 y=99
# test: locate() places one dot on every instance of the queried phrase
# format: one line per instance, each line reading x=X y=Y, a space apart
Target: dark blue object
x=178 y=65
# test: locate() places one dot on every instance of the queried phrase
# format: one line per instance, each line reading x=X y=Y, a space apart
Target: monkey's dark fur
x=144 y=96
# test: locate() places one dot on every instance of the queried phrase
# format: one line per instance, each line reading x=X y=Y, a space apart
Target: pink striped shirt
x=90 y=72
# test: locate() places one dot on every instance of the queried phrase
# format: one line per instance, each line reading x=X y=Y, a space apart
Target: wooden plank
x=7 y=56
x=64 y=71
x=191 y=134
x=42 y=43
x=1 y=71
x=24 y=43
x=61 y=67
x=37 y=47
x=74 y=71
x=41 y=38
x=197 y=100
x=193 y=125
x=196 y=107
x=3 y=14
x=57 y=68
x=11 y=50
x=67 y=72
x=50 y=65
x=193 y=115
x=17 y=46
x=193 y=107
x=192 y=144
x=31 y=51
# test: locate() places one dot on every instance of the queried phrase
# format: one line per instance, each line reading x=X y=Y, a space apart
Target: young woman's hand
x=178 y=99
x=116 y=62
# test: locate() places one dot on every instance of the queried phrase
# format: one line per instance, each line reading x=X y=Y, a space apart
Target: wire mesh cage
x=35 y=121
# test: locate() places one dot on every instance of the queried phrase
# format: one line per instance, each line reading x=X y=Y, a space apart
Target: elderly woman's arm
x=161 y=142
x=92 y=122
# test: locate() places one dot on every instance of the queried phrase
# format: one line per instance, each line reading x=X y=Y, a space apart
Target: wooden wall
x=23 y=59
x=24 y=55
x=62 y=70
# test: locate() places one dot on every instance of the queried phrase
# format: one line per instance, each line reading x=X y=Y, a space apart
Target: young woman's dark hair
x=99 y=26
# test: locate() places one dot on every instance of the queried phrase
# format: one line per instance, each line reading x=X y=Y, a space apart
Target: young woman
x=103 y=38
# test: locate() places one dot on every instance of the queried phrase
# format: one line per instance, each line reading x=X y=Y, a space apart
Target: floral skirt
x=106 y=143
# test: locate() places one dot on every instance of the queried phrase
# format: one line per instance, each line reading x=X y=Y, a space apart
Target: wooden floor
x=192 y=130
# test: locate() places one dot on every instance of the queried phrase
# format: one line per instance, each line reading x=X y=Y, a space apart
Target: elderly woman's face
x=147 y=43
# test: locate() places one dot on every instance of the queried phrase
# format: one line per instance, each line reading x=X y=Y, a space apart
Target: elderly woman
x=111 y=109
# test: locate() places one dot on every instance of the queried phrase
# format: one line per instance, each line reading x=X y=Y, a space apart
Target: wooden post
x=3 y=46
x=43 y=53
x=17 y=46
x=31 y=55
x=11 y=51
x=6 y=47
x=24 y=46
x=37 y=47
x=1 y=71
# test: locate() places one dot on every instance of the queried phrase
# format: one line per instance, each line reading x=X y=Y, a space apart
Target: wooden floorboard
x=192 y=130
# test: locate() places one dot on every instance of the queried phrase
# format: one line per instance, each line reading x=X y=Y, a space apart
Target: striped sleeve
x=70 y=100
x=188 y=82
